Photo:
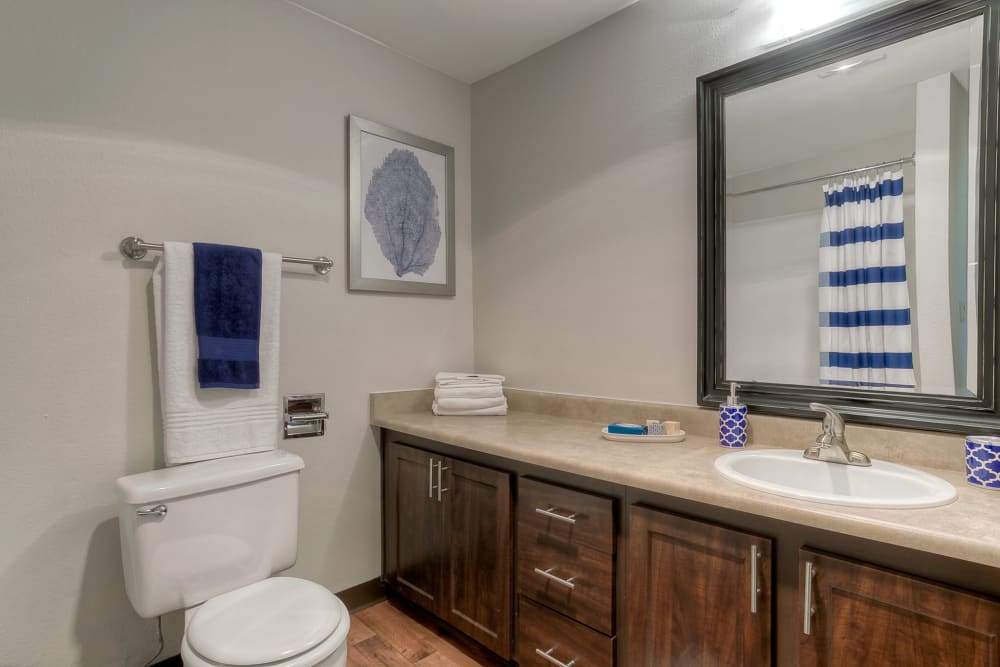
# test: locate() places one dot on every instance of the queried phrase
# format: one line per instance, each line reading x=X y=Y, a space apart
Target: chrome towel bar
x=134 y=247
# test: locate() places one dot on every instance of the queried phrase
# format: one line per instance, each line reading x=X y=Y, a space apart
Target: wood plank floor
x=386 y=634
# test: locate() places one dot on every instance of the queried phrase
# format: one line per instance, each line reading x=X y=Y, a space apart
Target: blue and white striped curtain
x=864 y=306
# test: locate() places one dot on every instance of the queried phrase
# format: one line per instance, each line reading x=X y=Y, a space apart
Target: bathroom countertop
x=967 y=529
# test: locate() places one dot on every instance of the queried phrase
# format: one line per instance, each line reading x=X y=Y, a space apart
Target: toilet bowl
x=207 y=538
x=278 y=622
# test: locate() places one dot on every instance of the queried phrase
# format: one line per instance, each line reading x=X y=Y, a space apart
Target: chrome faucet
x=831 y=445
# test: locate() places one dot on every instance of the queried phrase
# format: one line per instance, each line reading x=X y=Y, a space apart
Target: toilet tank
x=228 y=523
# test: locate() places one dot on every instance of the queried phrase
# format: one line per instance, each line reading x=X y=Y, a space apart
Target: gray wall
x=585 y=225
x=219 y=121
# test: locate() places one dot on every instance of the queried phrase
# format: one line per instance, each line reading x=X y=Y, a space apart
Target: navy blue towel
x=227 y=287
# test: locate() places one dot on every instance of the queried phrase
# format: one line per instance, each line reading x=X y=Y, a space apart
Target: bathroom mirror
x=847 y=213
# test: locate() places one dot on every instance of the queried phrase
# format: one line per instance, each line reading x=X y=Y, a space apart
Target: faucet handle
x=830 y=444
x=832 y=421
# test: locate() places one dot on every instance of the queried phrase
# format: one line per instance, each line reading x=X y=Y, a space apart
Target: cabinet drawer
x=586 y=590
x=571 y=516
x=569 y=643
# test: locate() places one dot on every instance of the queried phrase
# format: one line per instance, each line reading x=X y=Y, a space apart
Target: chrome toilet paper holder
x=305 y=415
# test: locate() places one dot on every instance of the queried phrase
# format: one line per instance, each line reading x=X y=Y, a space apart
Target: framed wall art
x=401 y=201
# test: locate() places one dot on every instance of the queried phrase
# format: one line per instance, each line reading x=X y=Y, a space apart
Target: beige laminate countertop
x=967 y=529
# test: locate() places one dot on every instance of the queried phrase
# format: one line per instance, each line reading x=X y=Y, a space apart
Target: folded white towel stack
x=469 y=394
x=201 y=424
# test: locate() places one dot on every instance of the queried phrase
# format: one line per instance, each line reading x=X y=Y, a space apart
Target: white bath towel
x=498 y=410
x=470 y=403
x=468 y=385
x=462 y=379
x=201 y=424
x=471 y=391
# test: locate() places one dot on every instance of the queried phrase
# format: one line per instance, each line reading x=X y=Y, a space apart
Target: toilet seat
x=279 y=622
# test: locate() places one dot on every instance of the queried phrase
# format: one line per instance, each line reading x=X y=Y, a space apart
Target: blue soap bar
x=626 y=429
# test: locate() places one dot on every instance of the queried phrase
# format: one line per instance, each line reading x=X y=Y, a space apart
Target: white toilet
x=206 y=538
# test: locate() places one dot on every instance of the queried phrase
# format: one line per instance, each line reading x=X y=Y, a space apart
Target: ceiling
x=807 y=115
x=465 y=39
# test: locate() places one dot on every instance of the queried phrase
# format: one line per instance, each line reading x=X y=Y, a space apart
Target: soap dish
x=618 y=437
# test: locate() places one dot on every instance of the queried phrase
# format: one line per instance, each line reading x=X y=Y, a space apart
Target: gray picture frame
x=357 y=278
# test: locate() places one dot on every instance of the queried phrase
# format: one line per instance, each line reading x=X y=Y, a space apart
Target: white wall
x=935 y=310
x=220 y=121
x=972 y=258
x=772 y=299
x=584 y=197
x=809 y=196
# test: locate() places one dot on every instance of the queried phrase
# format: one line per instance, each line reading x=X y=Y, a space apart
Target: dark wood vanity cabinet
x=698 y=594
x=676 y=584
x=448 y=533
x=855 y=614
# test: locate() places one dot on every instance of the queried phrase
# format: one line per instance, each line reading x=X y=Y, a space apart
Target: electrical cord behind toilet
x=159 y=639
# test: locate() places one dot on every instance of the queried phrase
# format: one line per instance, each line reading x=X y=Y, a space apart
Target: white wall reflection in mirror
x=823 y=285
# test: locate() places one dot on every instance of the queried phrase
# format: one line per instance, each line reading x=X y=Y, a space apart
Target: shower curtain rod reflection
x=846 y=172
x=134 y=247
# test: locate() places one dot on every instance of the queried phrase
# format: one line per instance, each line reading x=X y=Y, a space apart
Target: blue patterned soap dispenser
x=982 y=461
x=732 y=421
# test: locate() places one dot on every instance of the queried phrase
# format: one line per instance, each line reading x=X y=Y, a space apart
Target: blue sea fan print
x=402 y=209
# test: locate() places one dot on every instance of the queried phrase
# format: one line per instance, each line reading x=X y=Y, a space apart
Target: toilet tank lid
x=192 y=478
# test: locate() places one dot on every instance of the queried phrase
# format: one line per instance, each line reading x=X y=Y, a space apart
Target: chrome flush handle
x=158 y=511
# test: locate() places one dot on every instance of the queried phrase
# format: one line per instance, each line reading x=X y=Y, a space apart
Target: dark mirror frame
x=980 y=414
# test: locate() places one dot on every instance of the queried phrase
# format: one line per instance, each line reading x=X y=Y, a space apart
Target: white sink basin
x=784 y=472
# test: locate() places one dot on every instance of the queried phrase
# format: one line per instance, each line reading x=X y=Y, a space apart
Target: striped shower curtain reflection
x=864 y=305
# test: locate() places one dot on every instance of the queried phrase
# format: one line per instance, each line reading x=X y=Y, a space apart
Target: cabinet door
x=695 y=595
x=414 y=525
x=480 y=558
x=863 y=615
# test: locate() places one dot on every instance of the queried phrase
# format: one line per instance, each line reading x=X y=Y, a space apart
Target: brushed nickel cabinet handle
x=552 y=514
x=568 y=583
x=754 y=577
x=440 y=488
x=555 y=661
x=807 y=604
x=430 y=478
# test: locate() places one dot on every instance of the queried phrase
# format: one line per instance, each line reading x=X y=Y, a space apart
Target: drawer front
x=574 y=580
x=564 y=642
x=571 y=516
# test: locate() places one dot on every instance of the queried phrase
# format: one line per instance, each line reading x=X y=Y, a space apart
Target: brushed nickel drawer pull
x=568 y=583
x=807 y=604
x=552 y=514
x=548 y=656
x=430 y=478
